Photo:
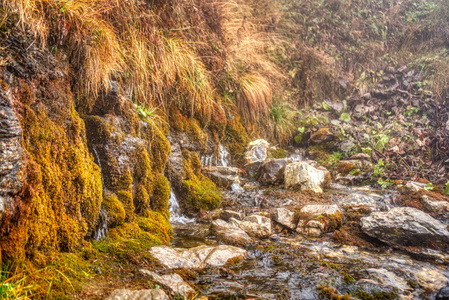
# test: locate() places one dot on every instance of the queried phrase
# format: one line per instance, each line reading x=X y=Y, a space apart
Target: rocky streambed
x=314 y=240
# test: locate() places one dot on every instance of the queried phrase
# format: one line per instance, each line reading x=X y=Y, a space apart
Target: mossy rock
x=236 y=139
x=115 y=210
x=156 y=224
x=199 y=191
x=126 y=198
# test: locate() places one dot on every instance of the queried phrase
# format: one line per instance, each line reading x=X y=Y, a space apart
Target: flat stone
x=414 y=186
x=386 y=277
x=227 y=214
x=431 y=279
x=306 y=177
x=198 y=257
x=255 y=225
x=439 y=207
x=124 y=294
x=405 y=226
x=312 y=228
x=285 y=217
x=222 y=176
x=314 y=210
x=357 y=201
x=229 y=233
x=172 y=281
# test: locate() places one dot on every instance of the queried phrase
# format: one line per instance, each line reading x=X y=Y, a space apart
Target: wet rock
x=405 y=226
x=314 y=210
x=198 y=257
x=305 y=176
x=443 y=294
x=386 y=277
x=360 y=156
x=433 y=206
x=285 y=217
x=323 y=135
x=431 y=279
x=257 y=151
x=272 y=171
x=227 y=214
x=173 y=282
x=124 y=294
x=230 y=233
x=255 y=225
x=310 y=228
x=255 y=155
x=236 y=188
x=222 y=176
x=359 y=201
x=11 y=152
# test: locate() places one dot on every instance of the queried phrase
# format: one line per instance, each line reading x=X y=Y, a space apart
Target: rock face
x=285 y=217
x=173 y=281
x=230 y=233
x=222 y=176
x=272 y=171
x=405 y=226
x=306 y=177
x=198 y=257
x=124 y=294
x=11 y=151
x=255 y=155
x=255 y=225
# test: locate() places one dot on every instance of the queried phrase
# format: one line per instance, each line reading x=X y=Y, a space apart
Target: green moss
x=322 y=154
x=161 y=194
x=326 y=292
x=199 y=191
x=236 y=139
x=277 y=153
x=63 y=190
x=197 y=134
x=126 y=198
x=156 y=224
x=115 y=210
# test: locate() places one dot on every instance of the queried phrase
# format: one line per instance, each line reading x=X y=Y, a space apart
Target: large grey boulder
x=306 y=177
x=222 y=176
x=254 y=225
x=272 y=171
x=229 y=233
x=198 y=257
x=124 y=294
x=174 y=282
x=405 y=226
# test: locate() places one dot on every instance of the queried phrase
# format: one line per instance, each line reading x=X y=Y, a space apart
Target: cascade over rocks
x=306 y=177
x=406 y=226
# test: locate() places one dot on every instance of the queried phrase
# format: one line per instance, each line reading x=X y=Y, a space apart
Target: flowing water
x=176 y=216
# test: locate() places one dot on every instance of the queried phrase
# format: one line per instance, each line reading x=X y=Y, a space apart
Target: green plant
x=346 y=117
x=384 y=183
x=429 y=186
x=379 y=169
x=446 y=190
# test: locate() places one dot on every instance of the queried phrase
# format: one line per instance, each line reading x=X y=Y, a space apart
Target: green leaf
x=301 y=129
x=346 y=117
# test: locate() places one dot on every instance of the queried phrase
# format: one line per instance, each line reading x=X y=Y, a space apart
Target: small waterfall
x=175 y=211
x=224 y=156
x=99 y=165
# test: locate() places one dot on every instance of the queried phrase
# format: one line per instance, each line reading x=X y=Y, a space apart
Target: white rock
x=230 y=233
x=386 y=277
x=198 y=257
x=306 y=177
x=173 y=281
x=285 y=217
x=314 y=210
x=256 y=225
